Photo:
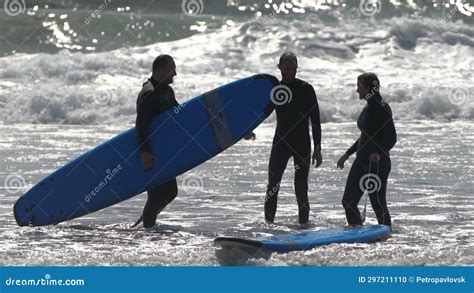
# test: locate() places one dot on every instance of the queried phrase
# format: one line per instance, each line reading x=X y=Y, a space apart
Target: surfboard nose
x=269 y=77
x=23 y=213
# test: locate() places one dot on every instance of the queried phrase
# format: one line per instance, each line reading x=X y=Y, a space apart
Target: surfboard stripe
x=217 y=120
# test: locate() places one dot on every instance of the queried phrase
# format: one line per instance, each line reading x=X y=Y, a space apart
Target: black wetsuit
x=378 y=135
x=292 y=139
x=153 y=99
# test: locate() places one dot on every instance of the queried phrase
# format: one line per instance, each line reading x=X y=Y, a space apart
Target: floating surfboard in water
x=182 y=138
x=308 y=239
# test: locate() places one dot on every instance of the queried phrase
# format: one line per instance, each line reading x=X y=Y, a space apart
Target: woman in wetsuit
x=372 y=165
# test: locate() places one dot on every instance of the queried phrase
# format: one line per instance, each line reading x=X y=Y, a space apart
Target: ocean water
x=423 y=56
x=429 y=195
x=70 y=73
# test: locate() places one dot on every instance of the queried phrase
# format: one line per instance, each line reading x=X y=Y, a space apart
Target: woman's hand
x=342 y=159
x=374 y=158
x=251 y=136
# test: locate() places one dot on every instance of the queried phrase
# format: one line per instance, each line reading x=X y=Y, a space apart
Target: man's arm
x=142 y=123
x=315 y=118
x=144 y=116
x=316 y=127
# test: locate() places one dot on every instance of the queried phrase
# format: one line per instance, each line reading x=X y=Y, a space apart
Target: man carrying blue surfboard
x=155 y=97
x=295 y=104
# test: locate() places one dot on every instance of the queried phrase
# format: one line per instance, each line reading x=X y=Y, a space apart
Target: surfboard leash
x=138 y=221
x=364 y=213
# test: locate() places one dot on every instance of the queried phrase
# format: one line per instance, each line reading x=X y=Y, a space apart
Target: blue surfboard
x=308 y=239
x=181 y=138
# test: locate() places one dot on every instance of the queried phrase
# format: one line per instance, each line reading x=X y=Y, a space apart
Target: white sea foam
x=425 y=67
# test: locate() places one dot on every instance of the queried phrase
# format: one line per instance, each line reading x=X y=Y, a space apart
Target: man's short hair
x=161 y=61
x=288 y=56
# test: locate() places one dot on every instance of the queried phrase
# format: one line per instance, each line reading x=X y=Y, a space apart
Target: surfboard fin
x=364 y=212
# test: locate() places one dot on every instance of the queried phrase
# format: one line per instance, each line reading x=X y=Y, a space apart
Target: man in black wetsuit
x=292 y=138
x=377 y=137
x=155 y=97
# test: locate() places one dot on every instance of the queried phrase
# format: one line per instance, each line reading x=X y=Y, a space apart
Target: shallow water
x=429 y=194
